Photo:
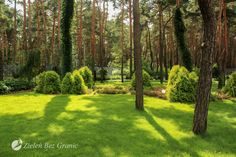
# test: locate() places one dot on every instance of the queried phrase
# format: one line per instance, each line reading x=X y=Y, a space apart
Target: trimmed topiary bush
x=146 y=80
x=48 y=83
x=182 y=85
x=67 y=84
x=230 y=87
x=79 y=86
x=87 y=75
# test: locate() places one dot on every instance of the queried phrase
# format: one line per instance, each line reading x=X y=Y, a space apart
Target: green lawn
x=109 y=126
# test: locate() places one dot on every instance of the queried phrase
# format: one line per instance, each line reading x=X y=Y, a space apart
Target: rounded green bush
x=79 y=86
x=146 y=80
x=52 y=83
x=40 y=82
x=67 y=84
x=182 y=85
x=87 y=75
x=3 y=88
x=230 y=86
x=48 y=83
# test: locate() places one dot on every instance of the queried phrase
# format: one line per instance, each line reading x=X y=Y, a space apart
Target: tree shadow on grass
x=177 y=146
x=220 y=135
x=104 y=125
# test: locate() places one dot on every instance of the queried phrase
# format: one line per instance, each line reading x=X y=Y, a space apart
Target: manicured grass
x=109 y=126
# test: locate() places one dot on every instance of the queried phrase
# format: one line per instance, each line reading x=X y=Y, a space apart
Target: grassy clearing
x=108 y=125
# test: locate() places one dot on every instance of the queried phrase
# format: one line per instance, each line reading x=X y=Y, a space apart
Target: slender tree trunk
x=6 y=46
x=93 y=39
x=24 y=27
x=57 y=57
x=161 y=42
x=157 y=55
x=59 y=25
x=38 y=23
x=15 y=34
x=205 y=80
x=138 y=56
x=80 y=36
x=131 y=40
x=122 y=42
x=223 y=53
x=150 y=48
x=165 y=54
x=29 y=25
x=101 y=45
x=1 y=59
x=53 y=40
x=46 y=56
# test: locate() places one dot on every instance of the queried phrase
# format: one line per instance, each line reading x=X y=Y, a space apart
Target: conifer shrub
x=230 y=86
x=79 y=86
x=87 y=75
x=48 y=83
x=146 y=80
x=182 y=85
x=67 y=84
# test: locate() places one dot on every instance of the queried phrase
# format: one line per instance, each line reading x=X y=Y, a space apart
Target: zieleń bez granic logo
x=16 y=145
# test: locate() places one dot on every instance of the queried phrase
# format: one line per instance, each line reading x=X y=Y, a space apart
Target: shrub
x=40 y=82
x=18 y=84
x=48 y=83
x=87 y=75
x=146 y=80
x=79 y=86
x=52 y=83
x=3 y=88
x=67 y=84
x=230 y=87
x=112 y=90
x=182 y=85
x=103 y=74
x=156 y=92
x=215 y=71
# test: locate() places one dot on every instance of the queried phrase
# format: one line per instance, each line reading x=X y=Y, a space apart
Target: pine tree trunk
x=24 y=27
x=59 y=25
x=1 y=59
x=93 y=40
x=15 y=35
x=150 y=48
x=131 y=40
x=122 y=42
x=205 y=80
x=29 y=25
x=165 y=54
x=80 y=36
x=138 y=56
x=53 y=41
x=161 y=42
x=224 y=55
